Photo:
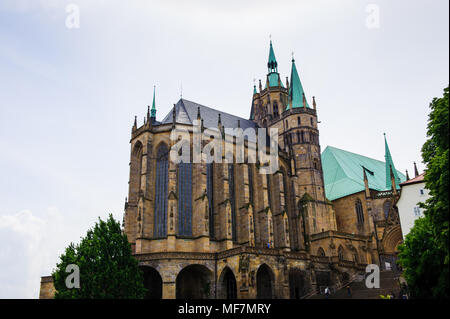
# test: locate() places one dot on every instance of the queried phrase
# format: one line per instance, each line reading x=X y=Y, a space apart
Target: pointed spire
x=153 y=112
x=198 y=113
x=254 y=89
x=407 y=175
x=390 y=166
x=296 y=91
x=314 y=102
x=272 y=64
x=416 y=171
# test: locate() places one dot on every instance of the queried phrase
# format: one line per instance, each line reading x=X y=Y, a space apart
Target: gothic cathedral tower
x=286 y=108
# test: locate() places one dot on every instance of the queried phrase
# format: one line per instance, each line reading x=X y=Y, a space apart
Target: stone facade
x=250 y=235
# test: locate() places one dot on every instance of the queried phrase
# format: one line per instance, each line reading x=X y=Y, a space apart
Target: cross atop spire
x=390 y=168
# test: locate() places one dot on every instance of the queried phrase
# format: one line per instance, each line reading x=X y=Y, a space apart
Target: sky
x=68 y=95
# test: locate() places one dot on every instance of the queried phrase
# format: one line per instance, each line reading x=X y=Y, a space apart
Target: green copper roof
x=389 y=164
x=343 y=173
x=254 y=90
x=153 y=111
x=273 y=79
x=272 y=63
x=296 y=89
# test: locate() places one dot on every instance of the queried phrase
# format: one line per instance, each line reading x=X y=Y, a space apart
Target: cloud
x=31 y=245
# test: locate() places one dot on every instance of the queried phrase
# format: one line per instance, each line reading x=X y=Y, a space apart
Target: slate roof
x=343 y=173
x=186 y=113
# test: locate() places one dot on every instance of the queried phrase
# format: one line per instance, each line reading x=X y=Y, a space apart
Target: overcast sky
x=68 y=96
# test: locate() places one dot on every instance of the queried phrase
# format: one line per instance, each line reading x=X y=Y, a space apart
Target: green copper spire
x=296 y=89
x=272 y=64
x=254 y=89
x=153 y=112
x=389 y=165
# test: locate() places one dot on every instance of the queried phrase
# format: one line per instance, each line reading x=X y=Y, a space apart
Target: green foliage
x=107 y=267
x=425 y=252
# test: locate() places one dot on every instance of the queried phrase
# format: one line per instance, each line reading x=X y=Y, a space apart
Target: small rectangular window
x=421 y=192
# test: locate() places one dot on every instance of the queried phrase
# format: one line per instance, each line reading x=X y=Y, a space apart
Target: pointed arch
x=265 y=281
x=359 y=212
x=321 y=252
x=227 y=284
x=135 y=171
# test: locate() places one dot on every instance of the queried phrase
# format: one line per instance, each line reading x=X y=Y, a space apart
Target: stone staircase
x=389 y=283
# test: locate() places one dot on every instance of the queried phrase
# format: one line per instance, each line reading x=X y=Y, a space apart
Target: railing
x=333 y=288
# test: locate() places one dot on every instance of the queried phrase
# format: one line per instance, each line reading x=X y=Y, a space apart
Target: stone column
x=172 y=207
x=200 y=211
x=169 y=290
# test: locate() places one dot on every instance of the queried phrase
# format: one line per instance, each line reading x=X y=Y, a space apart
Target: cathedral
x=224 y=230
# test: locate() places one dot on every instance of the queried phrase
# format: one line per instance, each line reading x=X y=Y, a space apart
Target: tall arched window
x=287 y=124
x=302 y=135
x=298 y=137
x=386 y=208
x=250 y=183
x=275 y=109
x=359 y=212
x=185 y=199
x=232 y=199
x=161 y=183
x=210 y=192
x=299 y=121
x=316 y=164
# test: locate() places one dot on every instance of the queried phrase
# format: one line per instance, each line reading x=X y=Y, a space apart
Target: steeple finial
x=153 y=112
x=314 y=102
x=416 y=171
x=407 y=175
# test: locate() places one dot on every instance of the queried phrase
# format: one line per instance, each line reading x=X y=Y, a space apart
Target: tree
x=425 y=253
x=107 y=269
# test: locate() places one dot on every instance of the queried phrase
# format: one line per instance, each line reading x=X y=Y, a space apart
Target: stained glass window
x=161 y=183
x=185 y=199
